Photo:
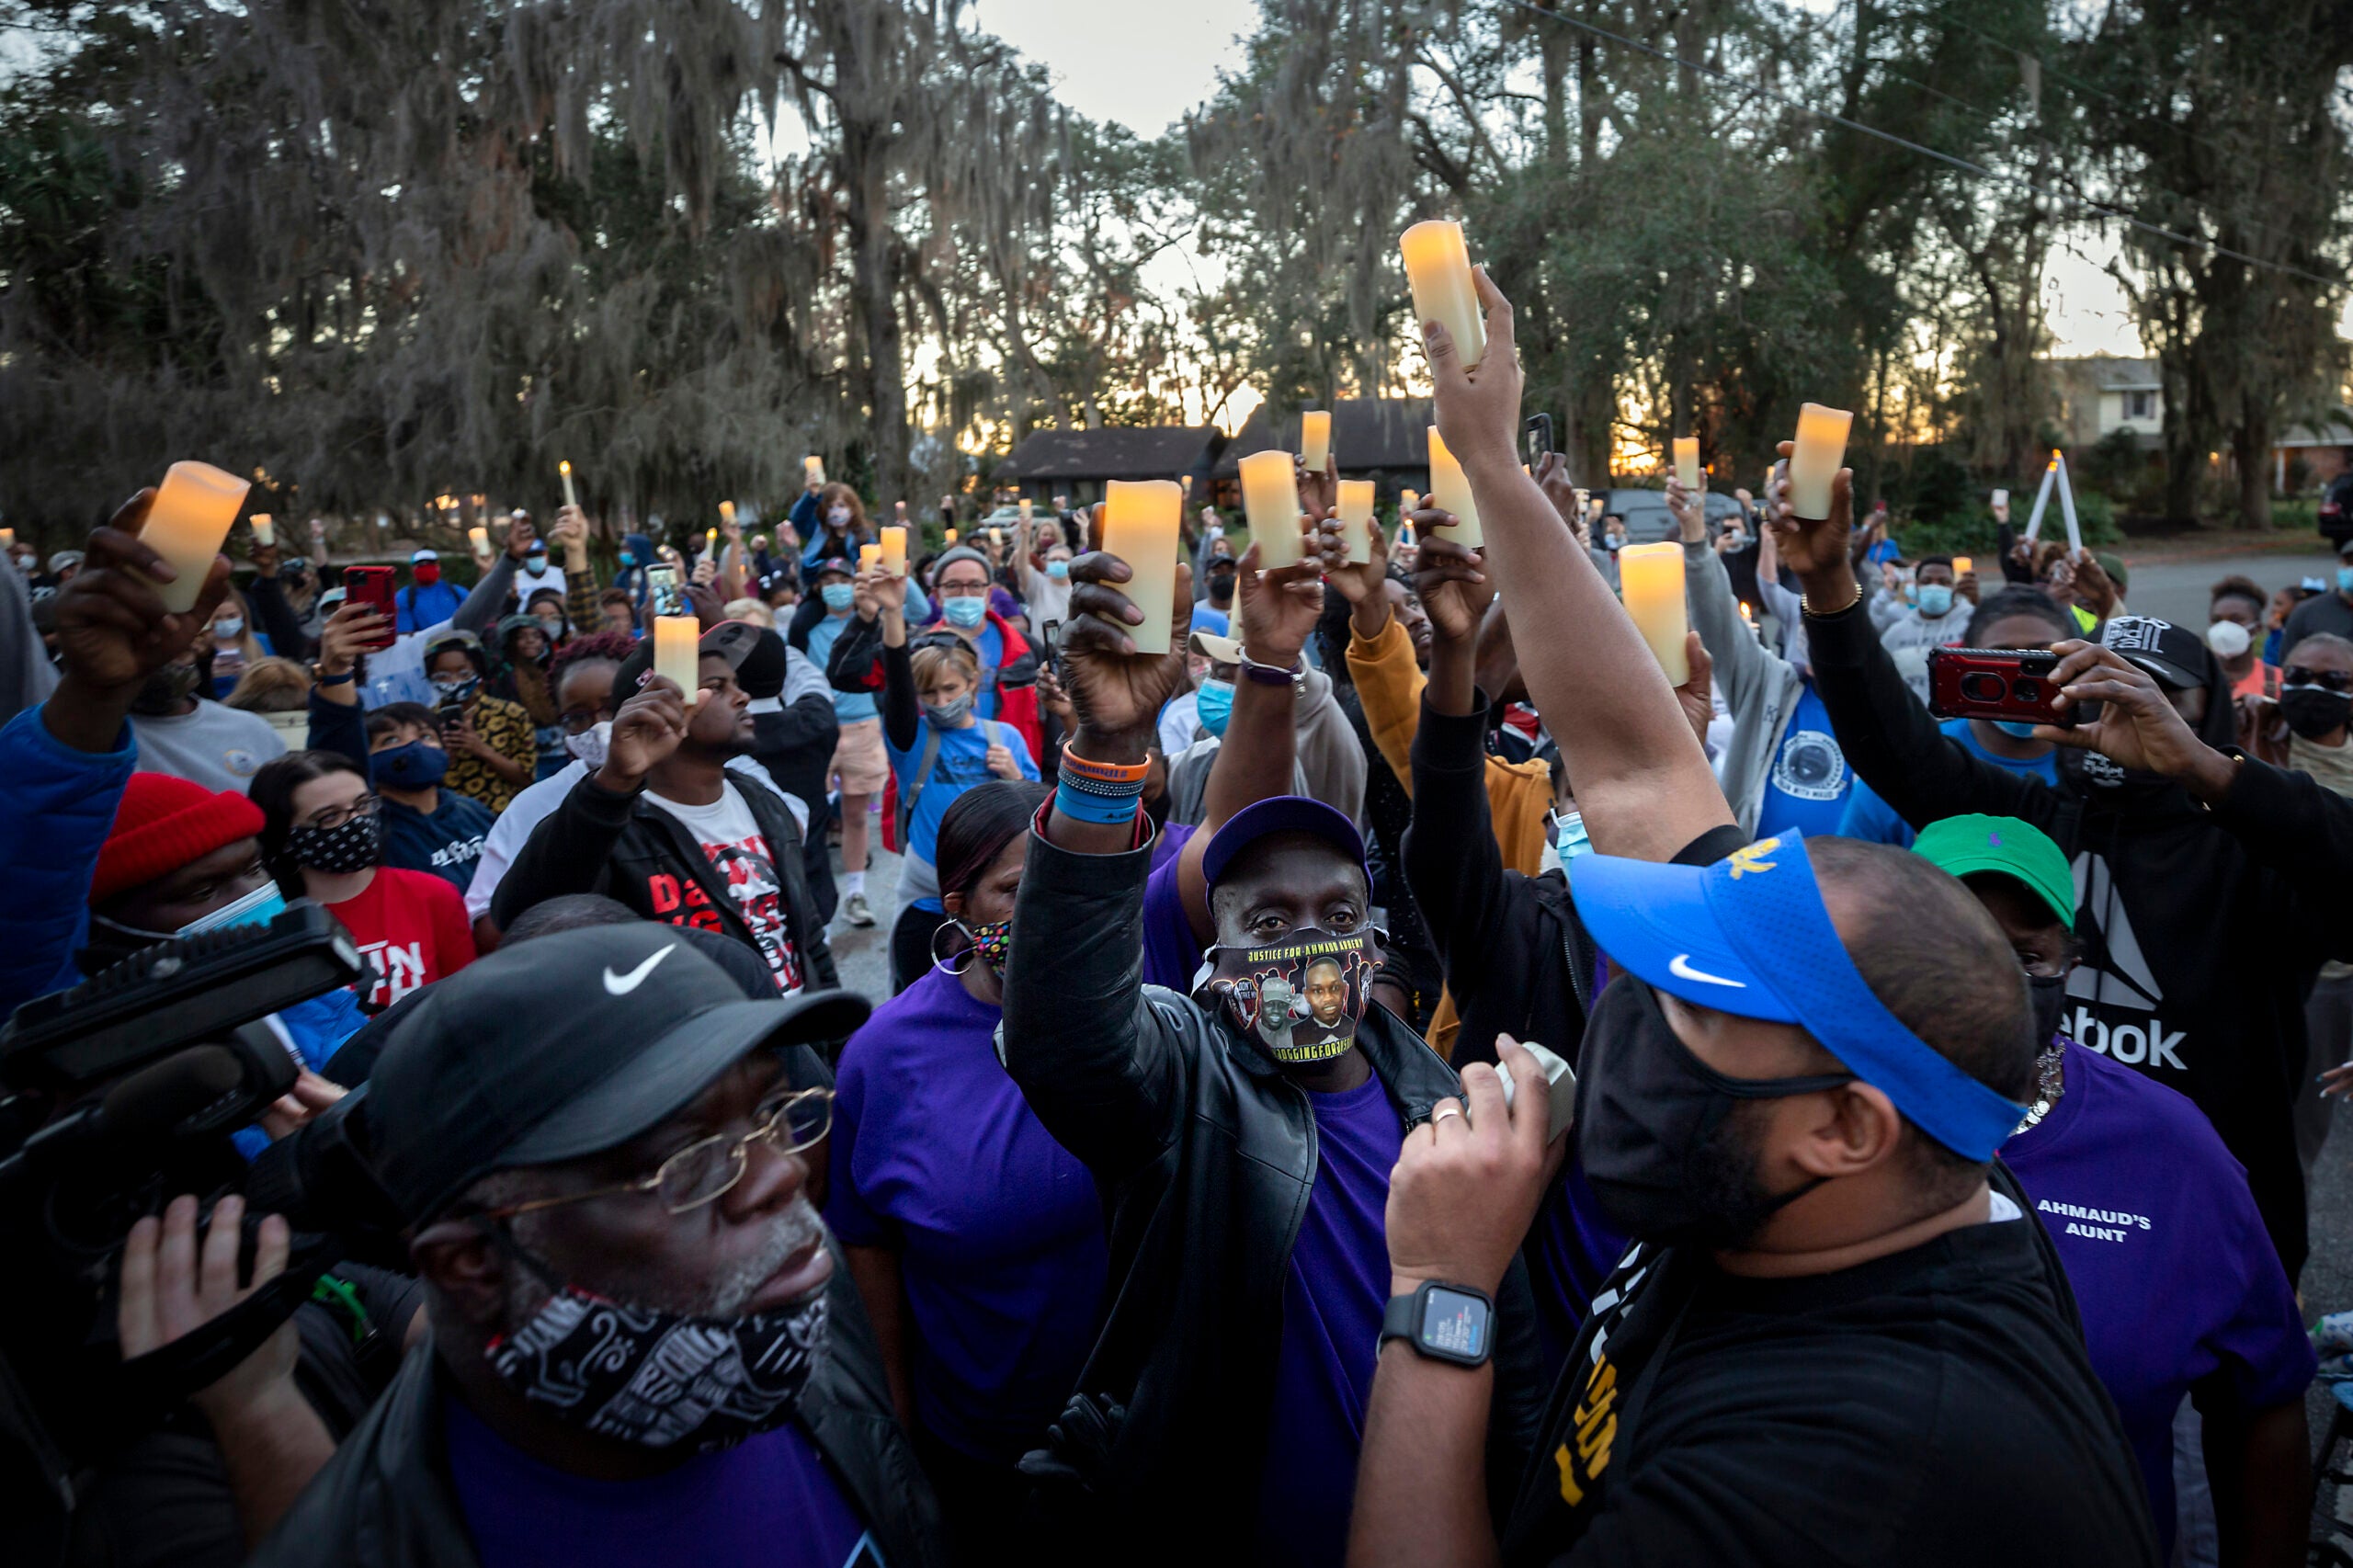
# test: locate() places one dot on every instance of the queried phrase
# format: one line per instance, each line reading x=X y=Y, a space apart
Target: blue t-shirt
x=1868 y=816
x=448 y=843
x=1806 y=786
x=991 y=648
x=1334 y=1290
x=963 y=761
x=998 y=1229
x=850 y=707
x=1208 y=617
x=2172 y=1271
x=768 y=1502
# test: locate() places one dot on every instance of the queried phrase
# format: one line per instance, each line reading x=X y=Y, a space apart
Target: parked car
x=1648 y=520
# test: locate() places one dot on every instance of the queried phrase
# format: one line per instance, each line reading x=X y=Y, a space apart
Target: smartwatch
x=1445 y=1322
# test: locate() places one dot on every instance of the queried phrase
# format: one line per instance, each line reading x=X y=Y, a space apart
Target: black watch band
x=1442 y=1322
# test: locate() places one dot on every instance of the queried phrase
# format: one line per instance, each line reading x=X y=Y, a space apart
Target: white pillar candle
x=1270 y=495
x=265 y=531
x=189 y=518
x=1356 y=519
x=895 y=549
x=869 y=556
x=1814 y=462
x=1450 y=492
x=1437 y=267
x=813 y=468
x=1025 y=508
x=481 y=540
x=1315 y=439
x=727 y=511
x=952 y=535
x=1686 y=460
x=1650 y=577
x=571 y=497
x=1140 y=526
x=675 y=637
x=1408 y=502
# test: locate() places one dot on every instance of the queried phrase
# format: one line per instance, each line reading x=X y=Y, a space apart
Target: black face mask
x=2313 y=713
x=167 y=688
x=2048 y=994
x=1657 y=1134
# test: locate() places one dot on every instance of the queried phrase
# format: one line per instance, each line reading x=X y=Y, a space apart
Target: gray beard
x=722 y=1297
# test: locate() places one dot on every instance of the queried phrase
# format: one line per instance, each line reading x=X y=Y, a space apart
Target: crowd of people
x=1390 y=1080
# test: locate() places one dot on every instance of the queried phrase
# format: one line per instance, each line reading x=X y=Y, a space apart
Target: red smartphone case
x=1996 y=683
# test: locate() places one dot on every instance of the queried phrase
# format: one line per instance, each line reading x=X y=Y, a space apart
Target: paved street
x=2176 y=589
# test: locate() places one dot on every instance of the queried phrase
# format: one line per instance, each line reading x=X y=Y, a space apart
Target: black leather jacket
x=386 y=1500
x=1205 y=1154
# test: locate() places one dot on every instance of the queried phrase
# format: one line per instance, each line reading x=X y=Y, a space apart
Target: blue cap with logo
x=1750 y=936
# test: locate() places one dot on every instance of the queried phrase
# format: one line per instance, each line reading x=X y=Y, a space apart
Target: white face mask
x=589 y=746
x=2228 y=639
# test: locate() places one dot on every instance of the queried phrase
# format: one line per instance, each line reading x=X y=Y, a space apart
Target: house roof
x=2335 y=430
x=1366 y=433
x=1153 y=451
x=2109 y=374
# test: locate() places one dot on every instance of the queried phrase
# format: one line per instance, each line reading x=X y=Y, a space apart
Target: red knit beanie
x=162 y=824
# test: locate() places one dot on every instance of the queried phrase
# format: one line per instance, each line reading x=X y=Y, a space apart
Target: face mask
x=2312 y=711
x=838 y=596
x=657 y=1378
x=456 y=688
x=2021 y=728
x=228 y=626
x=1221 y=588
x=589 y=745
x=1613 y=541
x=167 y=690
x=839 y=516
x=949 y=715
x=1300 y=996
x=411 y=766
x=967 y=611
x=2048 y=994
x=259 y=907
x=1216 y=705
x=992 y=940
x=627 y=558
x=1564 y=840
x=1058 y=570
x=349 y=846
x=536 y=562
x=2344 y=579
x=2228 y=639
x=552 y=624
x=1657 y=1133
x=426 y=572
x=1936 y=599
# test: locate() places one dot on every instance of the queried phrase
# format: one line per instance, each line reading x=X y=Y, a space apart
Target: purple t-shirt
x=1333 y=1293
x=2172 y=1269
x=769 y=1502
x=1171 y=954
x=998 y=1230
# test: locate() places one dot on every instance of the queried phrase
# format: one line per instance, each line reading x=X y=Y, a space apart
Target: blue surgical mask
x=2344 y=579
x=1057 y=569
x=259 y=907
x=965 y=612
x=2024 y=731
x=410 y=765
x=1936 y=599
x=229 y=626
x=535 y=561
x=1564 y=840
x=629 y=558
x=1216 y=705
x=838 y=596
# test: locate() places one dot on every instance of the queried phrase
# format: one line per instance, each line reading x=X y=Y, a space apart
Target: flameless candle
x=2001 y=498
x=265 y=531
x=1438 y=266
x=1140 y=526
x=1686 y=460
x=1025 y=508
x=481 y=537
x=1815 y=461
x=1315 y=439
x=1356 y=519
x=1584 y=504
x=570 y=497
x=952 y=535
x=1650 y=577
x=190 y=518
x=727 y=511
x=675 y=637
x=1450 y=492
x=996 y=538
x=7 y=538
x=895 y=549
x=1962 y=566
x=1408 y=502
x=1270 y=494
x=813 y=468
x=868 y=557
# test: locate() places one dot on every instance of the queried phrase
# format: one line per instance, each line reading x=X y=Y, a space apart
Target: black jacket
x=386 y=1500
x=2203 y=930
x=632 y=849
x=1205 y=1155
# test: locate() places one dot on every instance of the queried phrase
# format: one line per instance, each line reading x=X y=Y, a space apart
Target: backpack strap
x=914 y=792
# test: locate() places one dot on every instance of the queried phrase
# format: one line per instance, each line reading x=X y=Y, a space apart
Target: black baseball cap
x=563 y=1047
x=745 y=646
x=1281 y=813
x=2171 y=656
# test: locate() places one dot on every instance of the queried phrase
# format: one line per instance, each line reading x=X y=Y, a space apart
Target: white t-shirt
x=738 y=852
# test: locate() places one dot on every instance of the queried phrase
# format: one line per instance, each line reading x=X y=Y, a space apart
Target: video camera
x=124 y=1092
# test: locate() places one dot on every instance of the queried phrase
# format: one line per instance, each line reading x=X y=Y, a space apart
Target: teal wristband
x=1111 y=811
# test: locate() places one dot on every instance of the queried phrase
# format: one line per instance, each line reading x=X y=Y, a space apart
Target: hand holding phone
x=372 y=586
x=2004 y=685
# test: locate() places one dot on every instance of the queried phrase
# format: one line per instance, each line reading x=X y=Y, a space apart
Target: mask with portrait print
x=1300 y=996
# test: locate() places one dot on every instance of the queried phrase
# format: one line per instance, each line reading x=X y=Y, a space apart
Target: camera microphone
x=154 y=1103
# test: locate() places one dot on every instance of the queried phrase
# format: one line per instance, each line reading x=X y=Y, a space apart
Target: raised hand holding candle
x=1450 y=492
x=1687 y=462
x=711 y=541
x=1140 y=526
x=894 y=549
x=1962 y=566
x=571 y=497
x=1816 y=459
x=265 y=531
x=1025 y=508
x=1316 y=439
x=1270 y=495
x=675 y=637
x=1356 y=519
x=813 y=470
x=189 y=518
x=727 y=511
x=1437 y=267
x=1650 y=577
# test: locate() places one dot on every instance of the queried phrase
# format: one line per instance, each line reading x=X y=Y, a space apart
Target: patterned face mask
x=662 y=1379
x=1300 y=996
x=352 y=845
x=993 y=939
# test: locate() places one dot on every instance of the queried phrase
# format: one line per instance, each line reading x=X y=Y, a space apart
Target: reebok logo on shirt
x=2116 y=974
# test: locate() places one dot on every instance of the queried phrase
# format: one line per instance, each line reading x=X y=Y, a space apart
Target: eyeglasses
x=709 y=1168
x=2327 y=680
x=580 y=720
x=962 y=590
x=335 y=816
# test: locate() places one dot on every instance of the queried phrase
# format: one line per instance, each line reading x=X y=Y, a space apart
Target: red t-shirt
x=412 y=926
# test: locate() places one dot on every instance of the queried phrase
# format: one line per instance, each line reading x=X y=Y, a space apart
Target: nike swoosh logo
x=1678 y=966
x=622 y=984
